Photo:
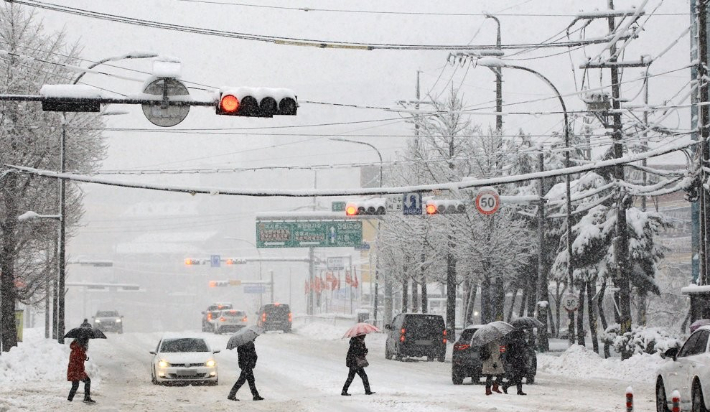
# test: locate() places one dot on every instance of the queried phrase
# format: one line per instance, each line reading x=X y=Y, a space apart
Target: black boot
x=505 y=388
x=344 y=392
x=369 y=393
x=87 y=399
x=258 y=398
x=232 y=398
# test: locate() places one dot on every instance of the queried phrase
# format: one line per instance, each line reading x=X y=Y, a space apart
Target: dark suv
x=416 y=334
x=212 y=313
x=108 y=321
x=275 y=316
x=466 y=359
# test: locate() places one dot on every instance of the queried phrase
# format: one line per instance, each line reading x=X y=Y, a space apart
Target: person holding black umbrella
x=247 y=362
x=516 y=360
x=76 y=371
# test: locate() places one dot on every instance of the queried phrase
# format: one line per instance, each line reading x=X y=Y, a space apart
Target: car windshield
x=219 y=307
x=277 y=310
x=467 y=334
x=184 y=345
x=106 y=313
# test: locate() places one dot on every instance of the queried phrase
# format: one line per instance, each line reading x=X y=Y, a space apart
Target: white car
x=184 y=359
x=230 y=320
x=689 y=374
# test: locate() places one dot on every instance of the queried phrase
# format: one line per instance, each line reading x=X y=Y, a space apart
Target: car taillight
x=263 y=317
x=461 y=346
x=290 y=317
x=444 y=340
x=401 y=334
x=222 y=319
x=244 y=319
x=209 y=316
x=444 y=332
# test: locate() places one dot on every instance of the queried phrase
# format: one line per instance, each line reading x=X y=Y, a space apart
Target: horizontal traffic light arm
x=92 y=104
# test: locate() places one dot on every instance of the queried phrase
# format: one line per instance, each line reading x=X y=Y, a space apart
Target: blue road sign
x=363 y=246
x=215 y=261
x=254 y=289
x=412 y=204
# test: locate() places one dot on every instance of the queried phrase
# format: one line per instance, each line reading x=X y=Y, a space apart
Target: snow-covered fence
x=675 y=398
x=629 y=399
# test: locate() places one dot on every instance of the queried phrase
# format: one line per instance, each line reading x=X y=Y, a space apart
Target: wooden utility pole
x=703 y=132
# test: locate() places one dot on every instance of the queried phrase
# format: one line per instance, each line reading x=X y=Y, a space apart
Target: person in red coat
x=76 y=371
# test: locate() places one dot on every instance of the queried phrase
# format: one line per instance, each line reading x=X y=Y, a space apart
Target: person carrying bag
x=356 y=361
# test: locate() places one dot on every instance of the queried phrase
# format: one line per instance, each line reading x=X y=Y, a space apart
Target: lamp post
x=388 y=288
x=62 y=196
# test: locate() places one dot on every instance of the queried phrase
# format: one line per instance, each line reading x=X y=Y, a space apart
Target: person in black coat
x=247 y=363
x=357 y=351
x=516 y=360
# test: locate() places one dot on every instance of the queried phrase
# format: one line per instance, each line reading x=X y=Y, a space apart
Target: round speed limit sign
x=570 y=303
x=487 y=201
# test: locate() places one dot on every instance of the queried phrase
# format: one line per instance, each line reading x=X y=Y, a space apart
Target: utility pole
x=543 y=340
x=703 y=132
x=622 y=235
x=695 y=205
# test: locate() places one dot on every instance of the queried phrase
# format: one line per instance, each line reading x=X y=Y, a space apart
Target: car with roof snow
x=108 y=321
x=414 y=335
x=183 y=359
x=230 y=320
x=688 y=373
x=211 y=313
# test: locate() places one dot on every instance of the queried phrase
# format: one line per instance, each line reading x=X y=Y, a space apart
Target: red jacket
x=75 y=370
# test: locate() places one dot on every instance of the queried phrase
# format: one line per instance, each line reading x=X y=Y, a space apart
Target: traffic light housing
x=192 y=262
x=257 y=102
x=218 y=283
x=375 y=206
x=444 y=207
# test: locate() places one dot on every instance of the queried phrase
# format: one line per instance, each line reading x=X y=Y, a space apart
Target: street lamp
x=62 y=195
x=377 y=261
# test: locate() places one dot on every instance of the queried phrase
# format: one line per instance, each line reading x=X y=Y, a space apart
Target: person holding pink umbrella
x=356 y=360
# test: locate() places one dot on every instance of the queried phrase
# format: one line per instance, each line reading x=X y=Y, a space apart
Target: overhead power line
x=290 y=41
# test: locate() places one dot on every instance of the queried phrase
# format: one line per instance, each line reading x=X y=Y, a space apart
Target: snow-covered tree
x=30 y=137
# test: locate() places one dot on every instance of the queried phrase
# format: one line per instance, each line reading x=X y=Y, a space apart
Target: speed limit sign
x=487 y=201
x=570 y=303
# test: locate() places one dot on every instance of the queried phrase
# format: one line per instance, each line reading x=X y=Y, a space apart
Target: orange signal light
x=431 y=209
x=229 y=103
x=351 y=210
x=230 y=262
x=213 y=283
x=189 y=261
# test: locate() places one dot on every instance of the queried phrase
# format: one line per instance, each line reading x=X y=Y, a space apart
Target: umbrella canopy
x=526 y=323
x=698 y=323
x=491 y=332
x=85 y=333
x=360 y=329
x=243 y=336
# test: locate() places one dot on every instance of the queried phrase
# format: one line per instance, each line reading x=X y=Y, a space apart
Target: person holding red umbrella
x=356 y=360
x=76 y=371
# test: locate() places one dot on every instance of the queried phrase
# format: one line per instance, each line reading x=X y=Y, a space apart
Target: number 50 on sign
x=487 y=201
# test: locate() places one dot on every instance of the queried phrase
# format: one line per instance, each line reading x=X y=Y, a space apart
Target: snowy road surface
x=296 y=372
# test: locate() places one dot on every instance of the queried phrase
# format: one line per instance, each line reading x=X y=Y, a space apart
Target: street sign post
x=321 y=233
x=215 y=261
x=336 y=263
x=570 y=303
x=487 y=201
x=412 y=204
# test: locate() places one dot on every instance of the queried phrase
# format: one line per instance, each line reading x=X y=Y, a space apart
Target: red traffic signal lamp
x=257 y=102
x=375 y=206
x=444 y=207
x=192 y=261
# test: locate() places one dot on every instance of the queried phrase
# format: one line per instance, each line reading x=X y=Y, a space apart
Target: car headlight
x=163 y=363
x=210 y=363
x=98 y=320
x=118 y=320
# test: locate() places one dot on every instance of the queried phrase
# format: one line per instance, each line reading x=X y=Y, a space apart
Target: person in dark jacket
x=247 y=363
x=353 y=360
x=76 y=371
x=516 y=361
x=85 y=324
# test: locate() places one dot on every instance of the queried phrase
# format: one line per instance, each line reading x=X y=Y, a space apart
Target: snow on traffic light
x=257 y=102
x=444 y=207
x=376 y=206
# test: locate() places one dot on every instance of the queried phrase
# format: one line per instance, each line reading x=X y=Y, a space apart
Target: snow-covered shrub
x=640 y=339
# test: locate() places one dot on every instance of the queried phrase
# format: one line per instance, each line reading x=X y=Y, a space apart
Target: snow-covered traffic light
x=257 y=102
x=444 y=207
x=218 y=283
x=375 y=206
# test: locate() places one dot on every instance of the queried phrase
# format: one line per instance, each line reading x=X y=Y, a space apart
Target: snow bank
x=328 y=332
x=40 y=359
x=580 y=362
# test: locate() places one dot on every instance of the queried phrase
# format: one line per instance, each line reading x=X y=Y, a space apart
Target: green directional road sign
x=322 y=233
x=337 y=206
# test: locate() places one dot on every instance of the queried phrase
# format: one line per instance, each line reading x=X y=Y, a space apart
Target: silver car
x=183 y=359
x=230 y=320
x=689 y=374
